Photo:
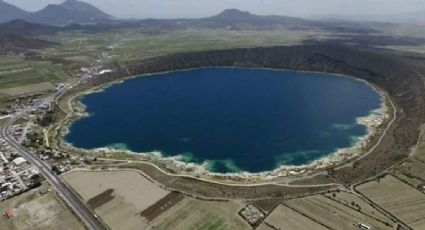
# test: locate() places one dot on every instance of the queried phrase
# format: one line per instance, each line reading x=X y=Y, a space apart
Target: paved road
x=73 y=201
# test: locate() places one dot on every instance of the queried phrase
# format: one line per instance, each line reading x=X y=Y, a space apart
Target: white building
x=19 y=161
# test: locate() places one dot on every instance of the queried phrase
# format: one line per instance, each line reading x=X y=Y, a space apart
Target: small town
x=17 y=175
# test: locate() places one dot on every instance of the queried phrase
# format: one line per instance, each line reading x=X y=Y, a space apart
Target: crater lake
x=229 y=119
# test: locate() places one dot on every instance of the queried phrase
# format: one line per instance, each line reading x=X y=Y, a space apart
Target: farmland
x=27 y=89
x=359 y=203
x=404 y=201
x=126 y=199
x=61 y=63
x=196 y=214
x=284 y=217
x=16 y=72
x=118 y=197
x=334 y=215
x=135 y=46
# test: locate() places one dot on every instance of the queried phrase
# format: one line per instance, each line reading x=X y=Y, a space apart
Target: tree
x=56 y=169
x=37 y=179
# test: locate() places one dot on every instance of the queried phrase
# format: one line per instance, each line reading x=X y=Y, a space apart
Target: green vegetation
x=21 y=76
x=79 y=47
x=140 y=46
x=14 y=72
x=15 y=80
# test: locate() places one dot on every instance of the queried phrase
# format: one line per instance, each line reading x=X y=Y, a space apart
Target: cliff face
x=399 y=76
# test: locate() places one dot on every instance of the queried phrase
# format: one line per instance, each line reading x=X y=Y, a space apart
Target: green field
x=140 y=46
x=78 y=50
x=15 y=71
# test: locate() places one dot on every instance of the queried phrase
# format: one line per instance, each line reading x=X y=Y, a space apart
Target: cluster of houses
x=16 y=174
x=252 y=215
x=88 y=72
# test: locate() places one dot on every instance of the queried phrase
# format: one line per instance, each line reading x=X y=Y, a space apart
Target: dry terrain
x=359 y=203
x=196 y=214
x=117 y=196
x=127 y=200
x=398 y=198
x=286 y=218
x=35 y=211
x=334 y=215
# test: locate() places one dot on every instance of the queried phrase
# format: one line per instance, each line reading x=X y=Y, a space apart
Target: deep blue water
x=236 y=119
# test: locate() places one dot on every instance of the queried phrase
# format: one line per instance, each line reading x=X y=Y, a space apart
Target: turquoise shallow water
x=235 y=119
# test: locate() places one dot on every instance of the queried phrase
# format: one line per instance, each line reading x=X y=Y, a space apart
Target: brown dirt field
x=398 y=198
x=101 y=199
x=285 y=218
x=349 y=199
x=132 y=193
x=267 y=205
x=333 y=214
x=33 y=211
x=264 y=226
x=131 y=185
x=197 y=214
x=162 y=205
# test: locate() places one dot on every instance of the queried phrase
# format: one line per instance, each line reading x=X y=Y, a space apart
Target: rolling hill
x=68 y=12
x=16 y=43
x=9 y=12
x=24 y=28
x=235 y=17
x=71 y=11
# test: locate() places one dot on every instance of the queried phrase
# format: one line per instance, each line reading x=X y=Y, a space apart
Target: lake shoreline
x=374 y=123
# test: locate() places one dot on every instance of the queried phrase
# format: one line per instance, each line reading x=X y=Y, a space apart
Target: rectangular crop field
x=398 y=198
x=118 y=197
x=333 y=214
x=27 y=89
x=356 y=202
x=285 y=218
x=197 y=214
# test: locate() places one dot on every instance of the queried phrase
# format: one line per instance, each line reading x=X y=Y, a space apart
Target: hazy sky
x=198 y=8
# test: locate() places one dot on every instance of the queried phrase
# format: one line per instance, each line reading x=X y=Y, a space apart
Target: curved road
x=72 y=200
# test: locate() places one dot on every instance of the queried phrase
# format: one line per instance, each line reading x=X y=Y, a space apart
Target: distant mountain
x=9 y=12
x=16 y=43
x=412 y=18
x=405 y=18
x=71 y=11
x=234 y=17
x=23 y=28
